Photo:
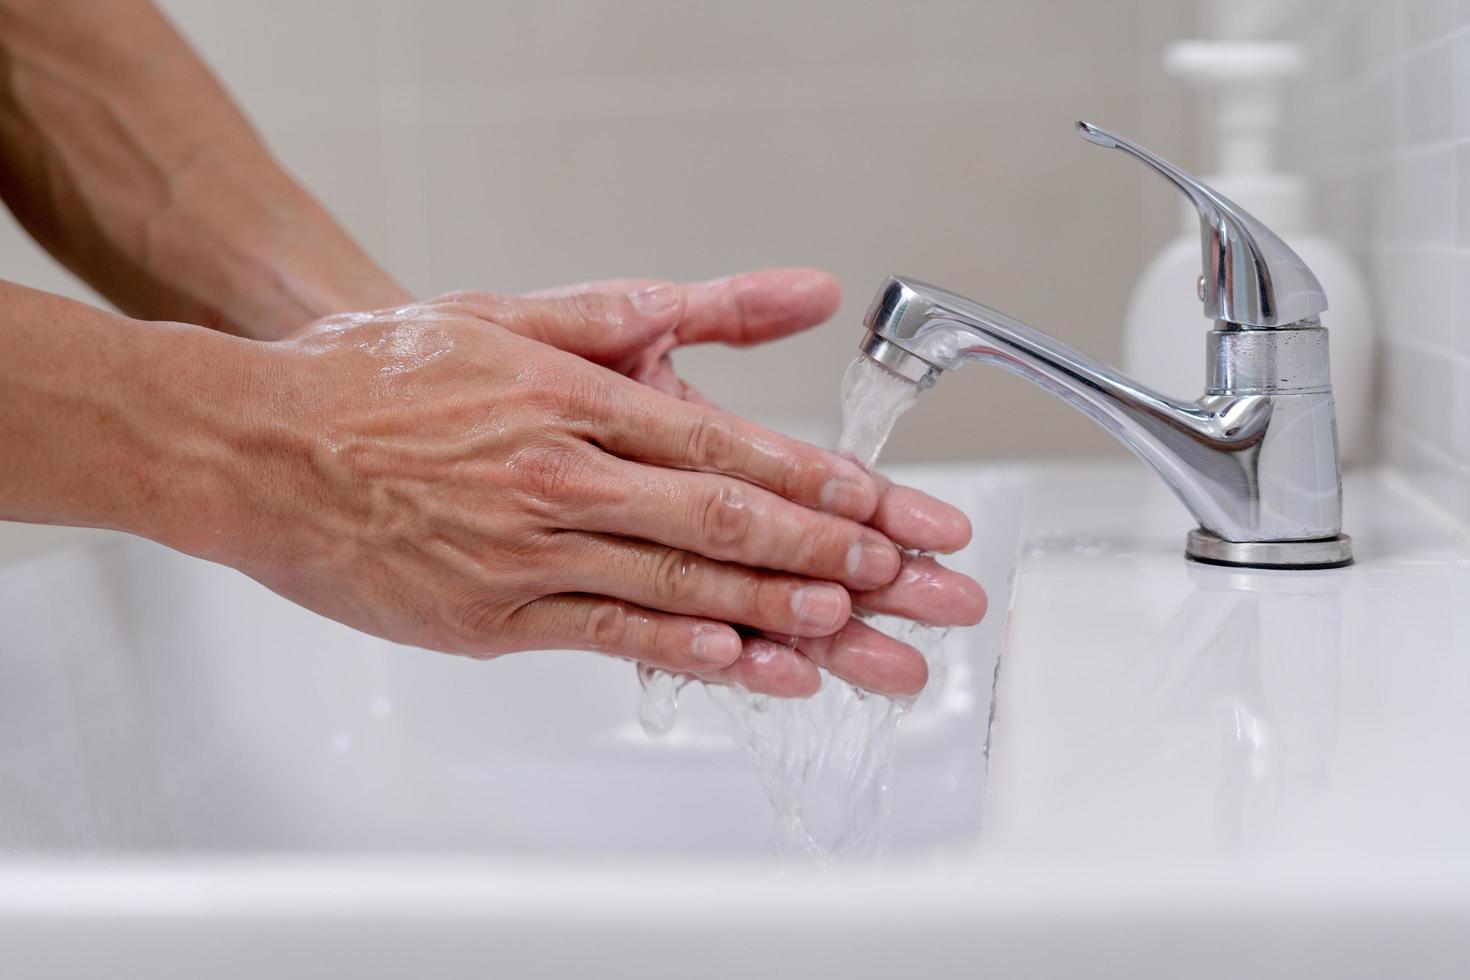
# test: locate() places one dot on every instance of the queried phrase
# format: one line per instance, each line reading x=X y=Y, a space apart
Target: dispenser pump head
x=1250 y=277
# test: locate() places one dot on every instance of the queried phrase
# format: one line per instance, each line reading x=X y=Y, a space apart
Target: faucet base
x=1211 y=549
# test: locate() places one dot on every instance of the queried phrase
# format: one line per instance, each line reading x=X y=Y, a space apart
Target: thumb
x=603 y=325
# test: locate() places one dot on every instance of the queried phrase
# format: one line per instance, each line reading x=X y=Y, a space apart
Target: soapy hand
x=749 y=309
x=432 y=475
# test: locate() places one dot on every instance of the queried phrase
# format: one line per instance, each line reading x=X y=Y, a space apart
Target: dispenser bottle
x=1161 y=345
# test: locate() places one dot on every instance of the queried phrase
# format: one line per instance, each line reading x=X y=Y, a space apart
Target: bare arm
x=125 y=158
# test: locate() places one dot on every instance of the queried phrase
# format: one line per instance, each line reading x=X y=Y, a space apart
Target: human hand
x=430 y=475
x=740 y=311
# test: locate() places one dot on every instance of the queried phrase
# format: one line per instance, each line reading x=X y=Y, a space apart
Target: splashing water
x=824 y=761
x=659 y=707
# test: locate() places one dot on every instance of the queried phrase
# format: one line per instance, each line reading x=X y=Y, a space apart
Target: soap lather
x=1254 y=459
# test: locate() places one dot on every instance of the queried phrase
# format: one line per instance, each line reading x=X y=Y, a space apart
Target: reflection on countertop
x=1150 y=706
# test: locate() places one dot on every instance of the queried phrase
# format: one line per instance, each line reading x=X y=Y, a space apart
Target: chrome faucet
x=1254 y=459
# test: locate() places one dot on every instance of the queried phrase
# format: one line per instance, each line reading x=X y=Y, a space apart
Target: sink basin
x=154 y=702
x=1192 y=771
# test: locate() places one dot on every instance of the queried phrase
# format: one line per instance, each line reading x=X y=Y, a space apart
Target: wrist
x=196 y=465
x=125 y=424
x=246 y=480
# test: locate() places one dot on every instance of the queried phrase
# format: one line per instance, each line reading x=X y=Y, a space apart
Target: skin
x=755 y=308
x=475 y=473
x=123 y=155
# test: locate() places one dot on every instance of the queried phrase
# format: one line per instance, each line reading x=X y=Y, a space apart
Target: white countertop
x=1155 y=709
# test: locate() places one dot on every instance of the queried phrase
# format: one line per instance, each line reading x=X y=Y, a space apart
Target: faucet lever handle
x=1251 y=277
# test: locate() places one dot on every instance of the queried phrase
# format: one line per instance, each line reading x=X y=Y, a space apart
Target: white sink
x=152 y=702
x=1193 y=772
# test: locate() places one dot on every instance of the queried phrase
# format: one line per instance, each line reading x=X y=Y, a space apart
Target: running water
x=873 y=398
x=825 y=760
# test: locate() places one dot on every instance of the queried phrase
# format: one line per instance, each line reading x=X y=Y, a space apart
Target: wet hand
x=431 y=475
x=740 y=311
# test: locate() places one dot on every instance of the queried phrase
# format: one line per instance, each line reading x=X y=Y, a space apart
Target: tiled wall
x=513 y=146
x=1384 y=116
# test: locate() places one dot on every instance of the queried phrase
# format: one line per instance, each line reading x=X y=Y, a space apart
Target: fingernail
x=841 y=495
x=654 y=300
x=872 y=561
x=716 y=645
x=819 y=606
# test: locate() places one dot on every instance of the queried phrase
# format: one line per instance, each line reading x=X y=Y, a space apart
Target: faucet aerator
x=905 y=364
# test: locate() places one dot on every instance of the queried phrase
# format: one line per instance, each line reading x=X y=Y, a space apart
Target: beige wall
x=514 y=146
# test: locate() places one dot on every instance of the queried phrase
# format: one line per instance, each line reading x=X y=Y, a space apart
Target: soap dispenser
x=1160 y=348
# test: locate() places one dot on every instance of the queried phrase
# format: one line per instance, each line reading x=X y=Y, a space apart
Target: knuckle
x=590 y=398
x=674 y=576
x=799 y=476
x=552 y=474
x=725 y=517
x=473 y=302
x=597 y=309
x=714 y=443
x=815 y=545
x=580 y=398
x=768 y=599
x=745 y=318
x=475 y=625
x=807 y=554
x=606 y=626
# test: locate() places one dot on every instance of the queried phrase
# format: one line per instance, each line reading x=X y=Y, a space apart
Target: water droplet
x=658 y=708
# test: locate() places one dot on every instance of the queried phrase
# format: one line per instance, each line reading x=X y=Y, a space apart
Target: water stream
x=824 y=761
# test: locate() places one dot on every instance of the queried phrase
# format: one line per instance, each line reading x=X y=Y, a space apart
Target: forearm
x=124 y=157
x=125 y=424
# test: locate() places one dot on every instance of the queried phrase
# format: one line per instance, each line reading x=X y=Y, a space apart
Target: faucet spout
x=1254 y=460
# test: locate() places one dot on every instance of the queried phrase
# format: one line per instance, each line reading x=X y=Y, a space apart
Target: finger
x=726 y=519
x=755 y=307
x=650 y=365
x=929 y=593
x=659 y=374
x=768 y=667
x=913 y=519
x=682 y=644
x=676 y=581
x=643 y=365
x=650 y=427
x=740 y=310
x=595 y=286
x=603 y=326
x=869 y=659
